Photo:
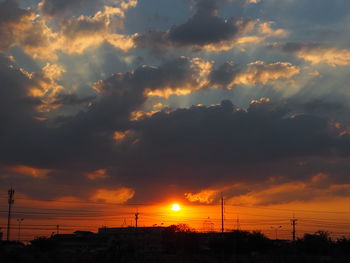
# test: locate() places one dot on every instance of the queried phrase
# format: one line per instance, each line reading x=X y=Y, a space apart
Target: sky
x=108 y=106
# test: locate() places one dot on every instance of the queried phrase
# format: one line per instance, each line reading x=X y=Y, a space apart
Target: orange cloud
x=340 y=128
x=96 y=175
x=83 y=32
x=30 y=171
x=318 y=186
x=259 y=72
x=205 y=196
x=266 y=30
x=200 y=71
x=317 y=53
x=332 y=56
x=253 y=33
x=28 y=31
x=118 y=196
x=32 y=32
x=46 y=88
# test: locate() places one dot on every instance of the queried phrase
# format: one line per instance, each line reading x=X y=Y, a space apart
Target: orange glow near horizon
x=72 y=214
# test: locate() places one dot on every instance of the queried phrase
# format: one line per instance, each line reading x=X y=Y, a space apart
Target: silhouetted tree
x=180 y=238
x=43 y=243
x=318 y=243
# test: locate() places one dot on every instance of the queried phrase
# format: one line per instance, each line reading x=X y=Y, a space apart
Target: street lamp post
x=19 y=220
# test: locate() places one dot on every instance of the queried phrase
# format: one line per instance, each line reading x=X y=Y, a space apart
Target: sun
x=176 y=207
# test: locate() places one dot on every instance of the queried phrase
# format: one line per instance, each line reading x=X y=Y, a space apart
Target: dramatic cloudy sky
x=143 y=100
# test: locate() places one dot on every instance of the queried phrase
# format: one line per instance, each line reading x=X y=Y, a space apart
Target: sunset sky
x=109 y=107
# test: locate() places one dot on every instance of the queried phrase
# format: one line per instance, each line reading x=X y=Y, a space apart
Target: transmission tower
x=136 y=218
x=11 y=200
x=293 y=223
x=222 y=213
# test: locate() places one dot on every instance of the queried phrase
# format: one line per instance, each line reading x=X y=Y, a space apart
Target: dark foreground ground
x=176 y=244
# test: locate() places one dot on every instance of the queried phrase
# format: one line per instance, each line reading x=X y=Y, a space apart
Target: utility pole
x=276 y=231
x=136 y=218
x=57 y=229
x=237 y=222
x=222 y=213
x=293 y=223
x=19 y=220
x=11 y=193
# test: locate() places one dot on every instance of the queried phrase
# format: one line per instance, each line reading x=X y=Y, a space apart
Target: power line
x=294 y=210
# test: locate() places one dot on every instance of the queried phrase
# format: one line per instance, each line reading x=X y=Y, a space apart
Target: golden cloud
x=32 y=33
x=318 y=186
x=200 y=71
x=204 y=196
x=259 y=72
x=332 y=56
x=96 y=175
x=118 y=196
x=30 y=171
x=267 y=31
x=47 y=88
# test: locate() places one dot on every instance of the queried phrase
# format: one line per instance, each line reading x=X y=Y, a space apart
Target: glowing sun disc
x=175 y=207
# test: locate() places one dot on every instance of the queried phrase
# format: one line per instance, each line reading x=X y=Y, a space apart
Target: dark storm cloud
x=10 y=16
x=224 y=75
x=223 y=145
x=93 y=128
x=125 y=92
x=72 y=99
x=24 y=28
x=223 y=133
x=293 y=47
x=15 y=105
x=10 y=12
x=205 y=27
x=317 y=53
x=200 y=145
x=58 y=7
x=330 y=106
x=20 y=131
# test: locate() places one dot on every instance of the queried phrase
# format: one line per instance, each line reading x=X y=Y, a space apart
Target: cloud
x=118 y=196
x=207 y=31
x=35 y=33
x=55 y=7
x=259 y=72
x=168 y=146
x=79 y=33
x=274 y=190
x=317 y=53
x=30 y=171
x=178 y=76
x=230 y=74
x=67 y=8
x=97 y=175
x=204 y=196
x=22 y=27
x=204 y=30
x=316 y=187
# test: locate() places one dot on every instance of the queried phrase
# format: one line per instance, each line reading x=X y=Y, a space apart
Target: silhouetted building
x=147 y=238
x=80 y=239
x=130 y=230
